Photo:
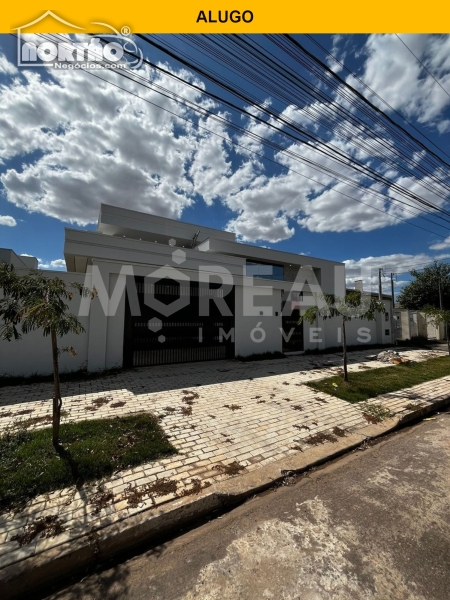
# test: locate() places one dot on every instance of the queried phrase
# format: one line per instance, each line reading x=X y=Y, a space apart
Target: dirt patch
x=255 y=398
x=261 y=402
x=413 y=407
x=297 y=447
x=320 y=438
x=212 y=416
x=28 y=411
x=118 y=404
x=35 y=421
x=47 y=527
x=101 y=401
x=189 y=399
x=135 y=495
x=339 y=432
x=196 y=487
x=5 y=414
x=320 y=400
x=371 y=419
x=91 y=408
x=287 y=399
x=233 y=407
x=302 y=427
x=297 y=407
x=170 y=409
x=101 y=499
x=161 y=487
x=375 y=413
x=186 y=411
x=233 y=468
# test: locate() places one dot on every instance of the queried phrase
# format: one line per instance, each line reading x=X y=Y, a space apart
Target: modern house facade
x=171 y=292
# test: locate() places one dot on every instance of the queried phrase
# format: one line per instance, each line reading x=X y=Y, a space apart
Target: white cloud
x=335 y=51
x=367 y=270
x=7 y=67
x=99 y=144
x=8 y=221
x=394 y=74
x=57 y=264
x=441 y=245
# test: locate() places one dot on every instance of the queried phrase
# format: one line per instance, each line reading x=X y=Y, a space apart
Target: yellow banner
x=328 y=16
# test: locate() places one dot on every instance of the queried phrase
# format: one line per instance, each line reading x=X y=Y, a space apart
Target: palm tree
x=35 y=301
x=351 y=306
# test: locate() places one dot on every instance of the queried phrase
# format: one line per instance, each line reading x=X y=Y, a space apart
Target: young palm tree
x=352 y=306
x=34 y=301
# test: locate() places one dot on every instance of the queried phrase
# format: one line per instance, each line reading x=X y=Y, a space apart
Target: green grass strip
x=30 y=466
x=375 y=382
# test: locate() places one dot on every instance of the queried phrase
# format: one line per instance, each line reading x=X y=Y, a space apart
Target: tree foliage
x=424 y=289
x=38 y=302
x=351 y=306
x=437 y=317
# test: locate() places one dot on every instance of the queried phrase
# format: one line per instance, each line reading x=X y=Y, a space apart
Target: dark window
x=264 y=270
x=386 y=332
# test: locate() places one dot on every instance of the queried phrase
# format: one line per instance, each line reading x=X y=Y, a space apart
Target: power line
x=246 y=148
x=423 y=66
x=409 y=268
x=362 y=82
x=312 y=141
x=318 y=114
x=360 y=96
x=263 y=156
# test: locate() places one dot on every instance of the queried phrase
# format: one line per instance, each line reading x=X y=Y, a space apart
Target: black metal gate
x=292 y=332
x=184 y=336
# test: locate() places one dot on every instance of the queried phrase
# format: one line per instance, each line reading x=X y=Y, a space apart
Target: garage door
x=184 y=336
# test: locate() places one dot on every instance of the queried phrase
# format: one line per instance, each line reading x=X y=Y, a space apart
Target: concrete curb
x=33 y=573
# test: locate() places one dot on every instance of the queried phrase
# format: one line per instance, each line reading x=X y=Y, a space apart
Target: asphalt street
x=374 y=524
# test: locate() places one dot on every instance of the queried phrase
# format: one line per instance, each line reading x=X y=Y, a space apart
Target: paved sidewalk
x=244 y=414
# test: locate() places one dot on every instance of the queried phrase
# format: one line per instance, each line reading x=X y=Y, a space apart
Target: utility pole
x=393 y=321
x=441 y=307
x=392 y=290
x=380 y=289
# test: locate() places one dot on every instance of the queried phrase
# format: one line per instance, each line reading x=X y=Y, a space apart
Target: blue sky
x=69 y=141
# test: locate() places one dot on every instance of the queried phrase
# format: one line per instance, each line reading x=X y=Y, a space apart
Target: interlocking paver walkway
x=252 y=413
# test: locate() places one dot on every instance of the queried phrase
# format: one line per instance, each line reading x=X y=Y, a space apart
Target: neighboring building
x=413 y=323
x=19 y=262
x=193 y=293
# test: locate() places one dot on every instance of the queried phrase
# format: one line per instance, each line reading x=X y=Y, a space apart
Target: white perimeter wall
x=101 y=346
x=327 y=334
x=32 y=354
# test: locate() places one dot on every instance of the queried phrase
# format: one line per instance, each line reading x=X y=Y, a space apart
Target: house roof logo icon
x=48 y=13
x=56 y=47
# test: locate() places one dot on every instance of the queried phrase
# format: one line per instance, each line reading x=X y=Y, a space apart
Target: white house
x=171 y=292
